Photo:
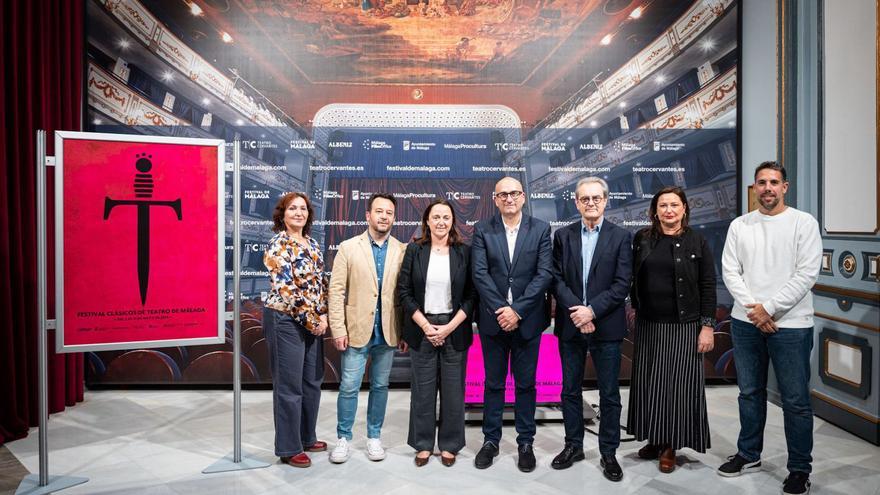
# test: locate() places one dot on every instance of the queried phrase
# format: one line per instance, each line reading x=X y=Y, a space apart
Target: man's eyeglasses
x=514 y=195
x=585 y=200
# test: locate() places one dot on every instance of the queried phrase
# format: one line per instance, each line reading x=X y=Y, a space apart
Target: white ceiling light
x=707 y=44
x=194 y=9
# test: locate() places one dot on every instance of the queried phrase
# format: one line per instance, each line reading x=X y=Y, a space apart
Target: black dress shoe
x=569 y=455
x=610 y=468
x=526 y=462
x=486 y=455
x=650 y=452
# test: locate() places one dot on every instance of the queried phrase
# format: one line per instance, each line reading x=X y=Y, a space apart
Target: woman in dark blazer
x=673 y=293
x=437 y=295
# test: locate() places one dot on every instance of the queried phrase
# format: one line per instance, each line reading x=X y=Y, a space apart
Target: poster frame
x=60 y=138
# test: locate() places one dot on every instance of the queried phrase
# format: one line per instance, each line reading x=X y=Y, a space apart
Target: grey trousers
x=297 y=363
x=436 y=368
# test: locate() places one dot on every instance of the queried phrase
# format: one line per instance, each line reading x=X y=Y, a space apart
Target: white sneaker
x=340 y=452
x=375 y=452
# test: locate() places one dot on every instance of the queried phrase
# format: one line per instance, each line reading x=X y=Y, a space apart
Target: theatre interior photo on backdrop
x=424 y=100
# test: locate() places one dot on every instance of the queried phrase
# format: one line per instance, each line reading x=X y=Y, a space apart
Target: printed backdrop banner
x=139 y=241
x=405 y=153
x=426 y=99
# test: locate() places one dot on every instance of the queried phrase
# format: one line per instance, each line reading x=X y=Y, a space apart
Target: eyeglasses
x=585 y=200
x=514 y=195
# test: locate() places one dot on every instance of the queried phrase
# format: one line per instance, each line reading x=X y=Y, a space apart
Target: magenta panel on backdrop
x=548 y=380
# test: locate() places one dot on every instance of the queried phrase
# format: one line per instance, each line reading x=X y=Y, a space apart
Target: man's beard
x=773 y=201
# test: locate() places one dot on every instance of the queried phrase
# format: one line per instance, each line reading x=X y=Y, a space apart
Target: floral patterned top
x=299 y=282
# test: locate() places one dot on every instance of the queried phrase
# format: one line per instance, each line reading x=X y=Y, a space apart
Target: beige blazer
x=354 y=291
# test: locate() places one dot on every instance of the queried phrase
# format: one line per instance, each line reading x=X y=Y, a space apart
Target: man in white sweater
x=771 y=261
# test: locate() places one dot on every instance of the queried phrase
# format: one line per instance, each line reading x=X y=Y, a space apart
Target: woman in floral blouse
x=294 y=320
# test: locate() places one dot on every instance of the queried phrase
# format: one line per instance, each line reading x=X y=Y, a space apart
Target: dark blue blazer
x=608 y=283
x=529 y=276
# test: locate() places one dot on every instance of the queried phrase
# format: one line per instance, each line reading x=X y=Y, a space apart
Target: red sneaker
x=318 y=446
x=300 y=460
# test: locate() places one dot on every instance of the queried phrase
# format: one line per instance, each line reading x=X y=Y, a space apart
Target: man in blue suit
x=592 y=265
x=512 y=270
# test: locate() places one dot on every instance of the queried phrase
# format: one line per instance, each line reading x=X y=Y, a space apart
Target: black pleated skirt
x=667 y=399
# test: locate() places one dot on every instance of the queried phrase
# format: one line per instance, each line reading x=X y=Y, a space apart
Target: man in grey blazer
x=512 y=265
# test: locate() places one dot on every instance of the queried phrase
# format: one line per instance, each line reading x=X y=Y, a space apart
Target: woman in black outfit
x=673 y=293
x=437 y=295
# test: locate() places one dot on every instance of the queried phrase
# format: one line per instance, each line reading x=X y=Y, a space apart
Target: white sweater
x=773 y=260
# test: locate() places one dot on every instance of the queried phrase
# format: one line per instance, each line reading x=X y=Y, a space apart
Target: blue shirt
x=589 y=239
x=379 y=253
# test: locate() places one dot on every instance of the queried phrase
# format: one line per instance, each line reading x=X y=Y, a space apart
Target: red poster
x=139 y=241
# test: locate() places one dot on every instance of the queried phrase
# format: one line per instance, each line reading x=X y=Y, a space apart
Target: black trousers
x=522 y=354
x=437 y=368
x=606 y=360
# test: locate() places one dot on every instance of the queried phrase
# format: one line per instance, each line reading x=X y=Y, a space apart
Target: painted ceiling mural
x=530 y=55
x=445 y=41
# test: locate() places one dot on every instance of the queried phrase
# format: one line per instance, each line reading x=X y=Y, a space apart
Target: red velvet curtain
x=41 y=55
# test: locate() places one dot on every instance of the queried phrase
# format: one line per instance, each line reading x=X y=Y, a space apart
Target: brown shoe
x=318 y=446
x=300 y=460
x=421 y=461
x=667 y=460
x=447 y=461
x=649 y=452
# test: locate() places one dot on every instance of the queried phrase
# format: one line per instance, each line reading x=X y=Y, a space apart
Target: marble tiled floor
x=158 y=442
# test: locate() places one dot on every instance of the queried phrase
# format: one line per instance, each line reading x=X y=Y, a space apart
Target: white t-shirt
x=438 y=285
x=775 y=261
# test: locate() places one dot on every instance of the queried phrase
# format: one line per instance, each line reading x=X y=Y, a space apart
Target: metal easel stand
x=235 y=461
x=43 y=483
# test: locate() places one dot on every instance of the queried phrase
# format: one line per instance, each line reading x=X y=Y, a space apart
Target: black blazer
x=608 y=285
x=411 y=291
x=528 y=277
x=694 y=275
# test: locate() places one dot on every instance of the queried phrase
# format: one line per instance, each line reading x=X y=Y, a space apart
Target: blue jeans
x=606 y=360
x=789 y=350
x=354 y=361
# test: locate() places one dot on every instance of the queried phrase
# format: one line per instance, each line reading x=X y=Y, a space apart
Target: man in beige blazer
x=365 y=322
